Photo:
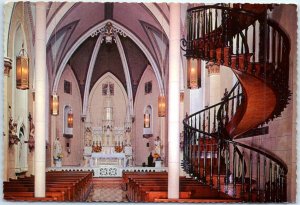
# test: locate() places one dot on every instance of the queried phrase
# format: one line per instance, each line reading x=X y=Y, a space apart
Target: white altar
x=96 y=157
x=109 y=170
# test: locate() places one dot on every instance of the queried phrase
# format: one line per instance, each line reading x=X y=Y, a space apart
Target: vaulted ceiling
x=81 y=17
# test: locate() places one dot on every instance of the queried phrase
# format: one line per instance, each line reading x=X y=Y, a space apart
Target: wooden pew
x=181 y=200
x=152 y=195
x=127 y=175
x=146 y=187
x=29 y=196
x=75 y=186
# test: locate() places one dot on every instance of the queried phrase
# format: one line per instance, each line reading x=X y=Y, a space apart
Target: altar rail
x=109 y=171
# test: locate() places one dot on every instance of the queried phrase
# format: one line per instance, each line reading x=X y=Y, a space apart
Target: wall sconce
x=54 y=104
x=70 y=119
x=193 y=73
x=161 y=106
x=22 y=70
x=146 y=120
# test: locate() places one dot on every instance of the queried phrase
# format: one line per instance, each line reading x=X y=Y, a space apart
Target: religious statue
x=157 y=146
x=57 y=150
x=13 y=138
x=88 y=136
x=31 y=136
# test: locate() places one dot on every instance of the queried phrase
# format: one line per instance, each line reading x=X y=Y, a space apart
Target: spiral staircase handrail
x=237 y=10
x=267 y=59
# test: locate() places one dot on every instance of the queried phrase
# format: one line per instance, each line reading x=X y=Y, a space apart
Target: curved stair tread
x=260 y=102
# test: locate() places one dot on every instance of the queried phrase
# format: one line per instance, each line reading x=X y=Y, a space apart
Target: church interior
x=149 y=102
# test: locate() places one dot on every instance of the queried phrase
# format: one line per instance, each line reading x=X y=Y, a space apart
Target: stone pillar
x=7 y=68
x=40 y=101
x=53 y=137
x=173 y=102
x=162 y=136
x=214 y=83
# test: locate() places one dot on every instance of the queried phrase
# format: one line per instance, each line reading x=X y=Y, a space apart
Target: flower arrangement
x=97 y=148
x=60 y=156
x=156 y=156
x=118 y=149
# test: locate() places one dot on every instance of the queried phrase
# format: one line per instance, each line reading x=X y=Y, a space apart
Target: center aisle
x=107 y=190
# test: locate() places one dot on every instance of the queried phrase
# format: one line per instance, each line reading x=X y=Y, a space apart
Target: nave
x=149 y=102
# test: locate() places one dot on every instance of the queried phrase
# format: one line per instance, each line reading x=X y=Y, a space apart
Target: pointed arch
x=128 y=33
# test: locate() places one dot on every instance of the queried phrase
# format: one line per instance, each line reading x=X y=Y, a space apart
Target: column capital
x=7 y=66
x=212 y=68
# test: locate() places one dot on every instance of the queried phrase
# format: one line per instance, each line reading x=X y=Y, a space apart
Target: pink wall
x=281 y=140
x=141 y=152
x=73 y=100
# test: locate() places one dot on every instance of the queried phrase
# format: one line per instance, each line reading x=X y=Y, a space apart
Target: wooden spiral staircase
x=257 y=50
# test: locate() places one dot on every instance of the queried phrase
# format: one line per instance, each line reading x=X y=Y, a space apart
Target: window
x=148 y=87
x=105 y=87
x=67 y=87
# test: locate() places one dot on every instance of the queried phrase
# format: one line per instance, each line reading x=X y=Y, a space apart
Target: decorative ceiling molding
x=108 y=31
x=66 y=32
x=118 y=27
x=153 y=35
x=67 y=6
x=89 y=74
x=58 y=16
x=126 y=72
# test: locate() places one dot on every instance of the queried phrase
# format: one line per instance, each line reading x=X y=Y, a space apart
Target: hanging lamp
x=54 y=104
x=161 y=106
x=22 y=70
x=193 y=73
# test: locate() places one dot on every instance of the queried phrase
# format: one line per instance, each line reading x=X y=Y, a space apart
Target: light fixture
x=70 y=119
x=22 y=70
x=146 y=120
x=54 y=104
x=193 y=73
x=161 y=106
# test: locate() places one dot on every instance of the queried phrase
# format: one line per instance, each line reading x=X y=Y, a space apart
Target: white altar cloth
x=120 y=156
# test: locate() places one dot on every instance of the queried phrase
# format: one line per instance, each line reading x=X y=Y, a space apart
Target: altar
x=98 y=158
x=108 y=142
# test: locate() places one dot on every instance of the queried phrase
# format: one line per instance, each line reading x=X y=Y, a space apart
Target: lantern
x=161 y=106
x=70 y=119
x=54 y=104
x=194 y=73
x=22 y=70
x=146 y=120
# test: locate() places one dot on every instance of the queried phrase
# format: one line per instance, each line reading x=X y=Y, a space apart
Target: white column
x=173 y=102
x=53 y=136
x=214 y=84
x=7 y=67
x=40 y=101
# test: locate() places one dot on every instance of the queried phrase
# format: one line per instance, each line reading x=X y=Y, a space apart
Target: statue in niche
x=21 y=152
x=57 y=150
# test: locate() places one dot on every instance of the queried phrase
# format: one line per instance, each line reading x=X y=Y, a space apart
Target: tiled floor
x=107 y=192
